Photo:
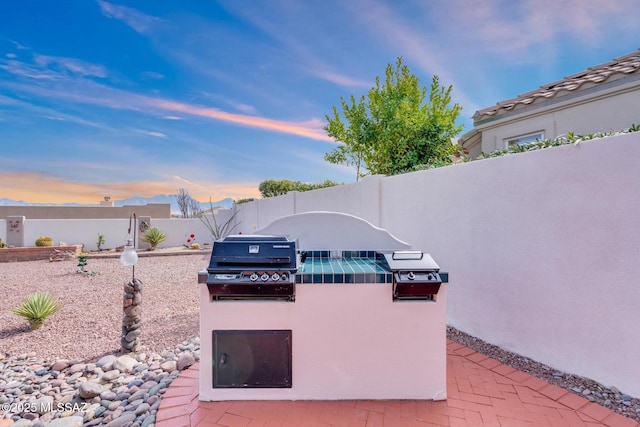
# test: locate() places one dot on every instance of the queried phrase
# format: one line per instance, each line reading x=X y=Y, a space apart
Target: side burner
x=416 y=276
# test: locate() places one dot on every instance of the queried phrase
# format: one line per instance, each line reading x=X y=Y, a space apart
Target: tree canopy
x=397 y=127
x=273 y=188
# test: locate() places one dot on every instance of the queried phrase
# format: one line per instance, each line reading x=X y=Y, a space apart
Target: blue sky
x=141 y=98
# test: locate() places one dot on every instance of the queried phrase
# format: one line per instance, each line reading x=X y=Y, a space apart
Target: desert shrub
x=154 y=236
x=36 y=308
x=44 y=241
x=100 y=242
x=82 y=261
x=247 y=200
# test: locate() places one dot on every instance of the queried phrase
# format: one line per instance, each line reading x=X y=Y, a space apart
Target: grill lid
x=242 y=252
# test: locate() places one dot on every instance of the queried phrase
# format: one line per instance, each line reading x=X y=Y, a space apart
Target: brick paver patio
x=481 y=392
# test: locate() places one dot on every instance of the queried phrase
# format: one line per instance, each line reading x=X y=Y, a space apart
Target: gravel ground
x=89 y=324
x=611 y=397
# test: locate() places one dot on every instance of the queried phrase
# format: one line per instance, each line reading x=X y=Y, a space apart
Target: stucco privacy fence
x=542 y=247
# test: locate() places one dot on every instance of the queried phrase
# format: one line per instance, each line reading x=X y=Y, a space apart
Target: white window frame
x=523 y=139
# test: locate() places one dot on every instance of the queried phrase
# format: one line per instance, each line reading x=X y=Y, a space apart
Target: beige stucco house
x=599 y=99
x=152 y=210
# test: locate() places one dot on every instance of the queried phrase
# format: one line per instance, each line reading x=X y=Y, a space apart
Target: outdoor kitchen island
x=349 y=322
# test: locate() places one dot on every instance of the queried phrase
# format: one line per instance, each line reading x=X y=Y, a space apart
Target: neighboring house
x=600 y=99
x=152 y=210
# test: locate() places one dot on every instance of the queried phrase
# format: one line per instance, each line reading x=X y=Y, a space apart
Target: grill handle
x=407 y=255
x=243 y=260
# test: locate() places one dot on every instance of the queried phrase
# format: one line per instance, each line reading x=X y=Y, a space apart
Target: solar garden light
x=129 y=257
x=132 y=297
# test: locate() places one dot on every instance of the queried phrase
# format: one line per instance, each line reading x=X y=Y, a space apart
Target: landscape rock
x=124 y=363
x=122 y=420
x=65 y=422
x=106 y=362
x=60 y=365
x=185 y=360
x=88 y=389
x=111 y=375
x=168 y=366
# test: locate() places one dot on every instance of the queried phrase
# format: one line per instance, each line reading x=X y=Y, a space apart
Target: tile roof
x=615 y=69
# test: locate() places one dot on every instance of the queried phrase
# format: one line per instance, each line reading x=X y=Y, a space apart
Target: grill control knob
x=253 y=277
x=275 y=277
x=411 y=276
x=283 y=276
x=264 y=277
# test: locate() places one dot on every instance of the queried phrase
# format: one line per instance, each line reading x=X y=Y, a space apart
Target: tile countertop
x=347 y=267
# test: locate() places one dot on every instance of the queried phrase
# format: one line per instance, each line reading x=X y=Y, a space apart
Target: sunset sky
x=123 y=99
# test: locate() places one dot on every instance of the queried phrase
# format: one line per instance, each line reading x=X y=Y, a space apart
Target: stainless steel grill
x=252 y=267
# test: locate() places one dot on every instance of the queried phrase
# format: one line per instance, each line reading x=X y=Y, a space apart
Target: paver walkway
x=481 y=392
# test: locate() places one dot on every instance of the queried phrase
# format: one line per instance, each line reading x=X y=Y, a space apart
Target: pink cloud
x=309 y=129
x=28 y=186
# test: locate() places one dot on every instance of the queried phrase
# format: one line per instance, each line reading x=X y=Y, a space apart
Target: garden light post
x=132 y=297
x=129 y=257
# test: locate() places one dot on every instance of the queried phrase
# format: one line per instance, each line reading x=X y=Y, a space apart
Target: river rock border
x=116 y=391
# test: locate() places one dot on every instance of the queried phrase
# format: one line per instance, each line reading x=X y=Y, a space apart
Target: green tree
x=353 y=137
x=399 y=126
x=273 y=188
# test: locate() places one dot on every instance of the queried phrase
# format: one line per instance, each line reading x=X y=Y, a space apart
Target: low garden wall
x=35 y=253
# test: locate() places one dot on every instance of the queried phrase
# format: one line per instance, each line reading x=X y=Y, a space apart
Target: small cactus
x=44 y=241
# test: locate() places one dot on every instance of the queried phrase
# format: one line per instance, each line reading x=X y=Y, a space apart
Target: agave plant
x=218 y=231
x=154 y=236
x=36 y=308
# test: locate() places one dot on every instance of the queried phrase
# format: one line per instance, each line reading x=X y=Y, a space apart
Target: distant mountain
x=9 y=202
x=162 y=198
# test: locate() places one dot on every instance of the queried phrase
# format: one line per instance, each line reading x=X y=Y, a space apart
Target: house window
x=524 y=139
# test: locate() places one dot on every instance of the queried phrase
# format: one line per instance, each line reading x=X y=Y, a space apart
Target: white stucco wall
x=3 y=230
x=85 y=231
x=542 y=248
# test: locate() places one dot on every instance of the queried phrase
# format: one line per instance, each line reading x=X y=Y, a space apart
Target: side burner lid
x=410 y=260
